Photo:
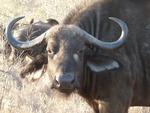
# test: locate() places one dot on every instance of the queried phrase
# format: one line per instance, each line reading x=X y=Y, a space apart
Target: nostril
x=56 y=82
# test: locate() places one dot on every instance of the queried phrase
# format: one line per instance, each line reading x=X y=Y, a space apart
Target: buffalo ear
x=102 y=63
x=52 y=22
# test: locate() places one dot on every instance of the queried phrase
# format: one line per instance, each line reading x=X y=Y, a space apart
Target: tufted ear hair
x=101 y=63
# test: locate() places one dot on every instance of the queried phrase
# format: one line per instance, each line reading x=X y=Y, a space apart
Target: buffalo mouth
x=65 y=88
x=68 y=91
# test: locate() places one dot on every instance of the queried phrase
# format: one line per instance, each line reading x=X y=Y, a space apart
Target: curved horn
x=105 y=45
x=20 y=44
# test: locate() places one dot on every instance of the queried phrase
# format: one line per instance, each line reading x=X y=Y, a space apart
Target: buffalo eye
x=49 y=51
x=50 y=54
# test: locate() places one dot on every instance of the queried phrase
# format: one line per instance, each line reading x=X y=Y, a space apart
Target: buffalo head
x=66 y=51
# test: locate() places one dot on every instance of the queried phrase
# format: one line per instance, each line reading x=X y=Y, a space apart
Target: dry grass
x=17 y=96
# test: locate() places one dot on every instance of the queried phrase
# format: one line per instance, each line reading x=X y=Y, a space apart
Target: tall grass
x=17 y=96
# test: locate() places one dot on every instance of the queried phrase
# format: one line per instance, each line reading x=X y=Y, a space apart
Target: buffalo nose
x=64 y=81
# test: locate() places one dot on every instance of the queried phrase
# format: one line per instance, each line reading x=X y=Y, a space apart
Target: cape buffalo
x=90 y=54
x=25 y=32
